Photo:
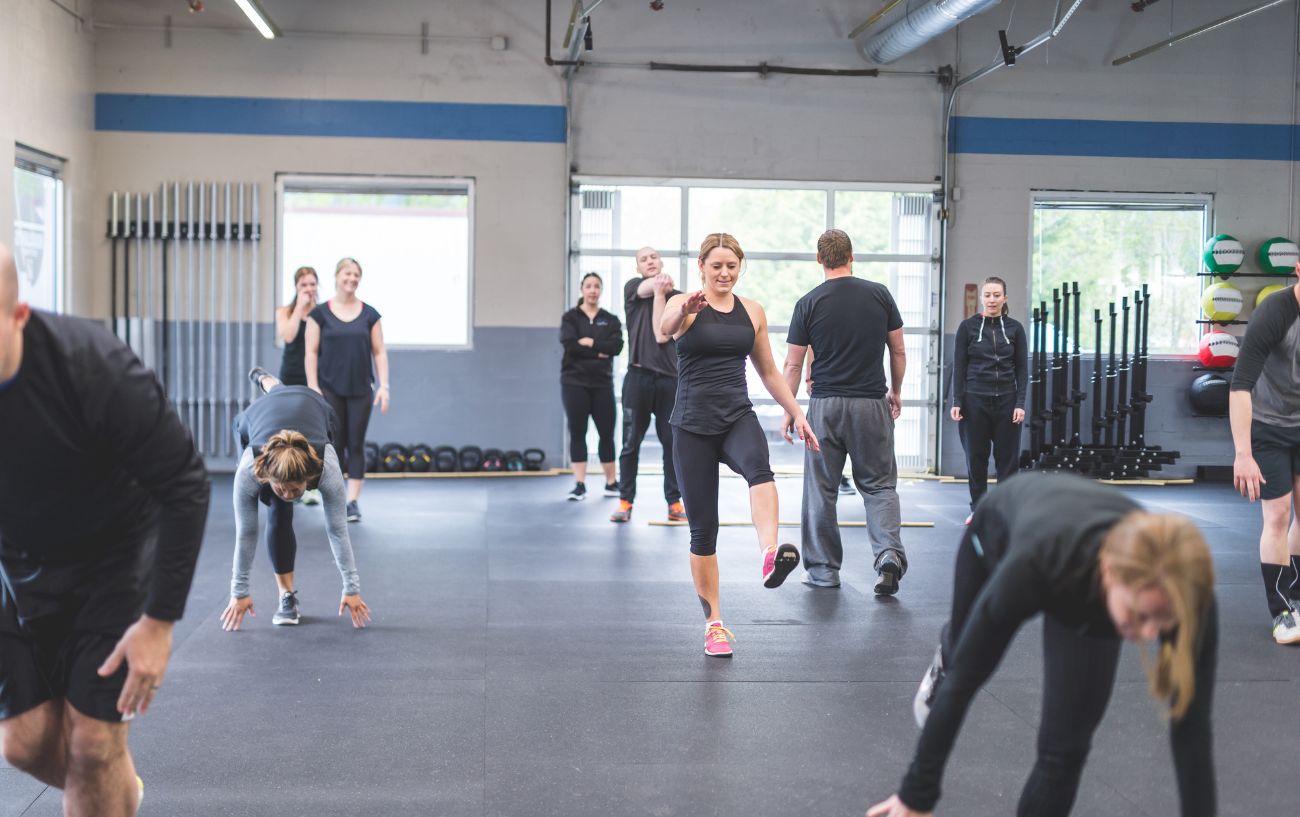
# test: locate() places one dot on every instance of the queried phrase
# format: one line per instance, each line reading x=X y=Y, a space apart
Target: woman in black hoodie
x=988 y=388
x=591 y=337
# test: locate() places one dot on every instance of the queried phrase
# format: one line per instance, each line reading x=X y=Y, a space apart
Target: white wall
x=46 y=96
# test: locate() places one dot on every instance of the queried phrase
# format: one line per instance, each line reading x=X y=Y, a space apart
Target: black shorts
x=1277 y=452
x=59 y=623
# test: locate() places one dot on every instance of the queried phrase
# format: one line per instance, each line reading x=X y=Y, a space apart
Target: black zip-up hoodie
x=991 y=359
x=582 y=365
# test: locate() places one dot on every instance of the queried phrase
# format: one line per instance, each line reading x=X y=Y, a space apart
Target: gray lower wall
x=1169 y=421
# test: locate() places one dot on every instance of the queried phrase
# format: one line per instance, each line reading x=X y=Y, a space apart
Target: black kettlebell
x=420 y=458
x=534 y=459
x=445 y=459
x=513 y=461
x=372 y=458
x=470 y=458
x=392 y=458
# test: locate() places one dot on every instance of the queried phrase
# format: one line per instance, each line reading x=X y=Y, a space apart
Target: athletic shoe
x=1286 y=630
x=777 y=564
x=624 y=512
x=716 y=644
x=311 y=497
x=887 y=579
x=811 y=582
x=288 y=612
x=140 y=800
x=677 y=512
x=611 y=489
x=846 y=487
x=354 y=511
x=969 y=517
x=926 y=691
x=578 y=493
x=255 y=376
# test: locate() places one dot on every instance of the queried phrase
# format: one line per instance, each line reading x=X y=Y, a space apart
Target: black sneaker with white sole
x=928 y=689
x=288 y=612
x=354 y=511
x=611 y=489
x=578 y=493
x=846 y=487
x=255 y=375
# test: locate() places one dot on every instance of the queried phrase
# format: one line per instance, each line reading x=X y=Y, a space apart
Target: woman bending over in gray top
x=286 y=440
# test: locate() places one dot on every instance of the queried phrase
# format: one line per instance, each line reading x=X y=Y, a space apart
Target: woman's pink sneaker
x=716 y=640
x=778 y=562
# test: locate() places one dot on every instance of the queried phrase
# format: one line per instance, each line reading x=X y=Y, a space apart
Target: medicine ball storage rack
x=421 y=460
x=1118 y=449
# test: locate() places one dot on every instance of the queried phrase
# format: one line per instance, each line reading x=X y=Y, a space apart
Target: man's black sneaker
x=846 y=487
x=288 y=612
x=887 y=579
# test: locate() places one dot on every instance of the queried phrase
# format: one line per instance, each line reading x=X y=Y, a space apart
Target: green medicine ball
x=1223 y=254
x=1278 y=255
x=1267 y=291
x=1221 y=302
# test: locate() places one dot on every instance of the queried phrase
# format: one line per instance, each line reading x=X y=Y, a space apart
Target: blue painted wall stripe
x=257 y=116
x=1124 y=139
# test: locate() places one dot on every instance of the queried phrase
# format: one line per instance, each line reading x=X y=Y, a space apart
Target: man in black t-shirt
x=848 y=323
x=650 y=386
x=88 y=598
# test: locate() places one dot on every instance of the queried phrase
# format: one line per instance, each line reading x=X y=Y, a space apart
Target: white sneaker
x=311 y=497
x=1286 y=630
x=969 y=517
x=926 y=691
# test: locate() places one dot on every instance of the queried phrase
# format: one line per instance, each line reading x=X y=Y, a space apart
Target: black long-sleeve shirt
x=583 y=365
x=990 y=358
x=89 y=425
x=1040 y=536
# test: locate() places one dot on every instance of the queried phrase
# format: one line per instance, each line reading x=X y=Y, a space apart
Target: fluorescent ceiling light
x=258 y=18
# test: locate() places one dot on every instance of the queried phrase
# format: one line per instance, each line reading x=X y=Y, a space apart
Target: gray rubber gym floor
x=529 y=658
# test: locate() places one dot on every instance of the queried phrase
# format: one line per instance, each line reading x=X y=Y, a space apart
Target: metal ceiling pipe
x=920 y=23
x=1196 y=32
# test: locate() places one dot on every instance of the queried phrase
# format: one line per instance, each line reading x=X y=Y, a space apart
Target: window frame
x=1175 y=201
x=288 y=182
x=34 y=160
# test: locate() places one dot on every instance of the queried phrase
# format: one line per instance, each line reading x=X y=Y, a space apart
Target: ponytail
x=288 y=457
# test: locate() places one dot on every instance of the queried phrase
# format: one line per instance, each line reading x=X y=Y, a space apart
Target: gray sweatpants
x=861 y=429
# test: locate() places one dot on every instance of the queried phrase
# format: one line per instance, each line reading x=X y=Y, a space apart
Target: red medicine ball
x=1218 y=350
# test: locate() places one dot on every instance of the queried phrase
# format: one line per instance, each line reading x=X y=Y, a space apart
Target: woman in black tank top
x=291 y=326
x=714 y=422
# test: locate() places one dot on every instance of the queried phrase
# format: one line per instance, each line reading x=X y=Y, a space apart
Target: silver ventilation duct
x=921 y=22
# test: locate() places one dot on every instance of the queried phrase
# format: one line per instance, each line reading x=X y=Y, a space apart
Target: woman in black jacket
x=988 y=388
x=591 y=337
x=1101 y=570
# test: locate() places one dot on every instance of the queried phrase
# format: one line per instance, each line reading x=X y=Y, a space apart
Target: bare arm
x=794 y=360
x=646 y=288
x=680 y=312
x=1246 y=476
x=311 y=355
x=897 y=367
x=765 y=364
x=381 y=365
x=288 y=320
x=663 y=285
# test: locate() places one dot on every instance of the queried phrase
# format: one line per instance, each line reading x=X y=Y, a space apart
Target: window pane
x=908 y=282
x=630 y=217
x=36 y=238
x=413 y=249
x=761 y=220
x=884 y=222
x=1112 y=253
x=777 y=285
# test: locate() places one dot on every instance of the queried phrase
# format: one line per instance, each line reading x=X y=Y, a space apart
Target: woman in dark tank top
x=291 y=326
x=714 y=422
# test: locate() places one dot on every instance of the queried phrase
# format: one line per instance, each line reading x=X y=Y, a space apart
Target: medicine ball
x=1208 y=395
x=1278 y=255
x=1221 y=302
x=392 y=458
x=1223 y=254
x=420 y=458
x=1218 y=350
x=1267 y=291
x=445 y=459
x=513 y=460
x=372 y=458
x=493 y=460
x=534 y=459
x=470 y=458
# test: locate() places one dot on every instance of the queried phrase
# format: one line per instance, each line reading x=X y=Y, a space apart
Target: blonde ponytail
x=288 y=457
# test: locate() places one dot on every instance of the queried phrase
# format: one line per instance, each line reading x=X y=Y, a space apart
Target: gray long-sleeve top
x=334 y=498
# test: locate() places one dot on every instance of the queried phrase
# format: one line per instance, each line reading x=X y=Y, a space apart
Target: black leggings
x=353 y=415
x=1078 y=675
x=281 y=545
x=596 y=402
x=986 y=423
x=743 y=448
